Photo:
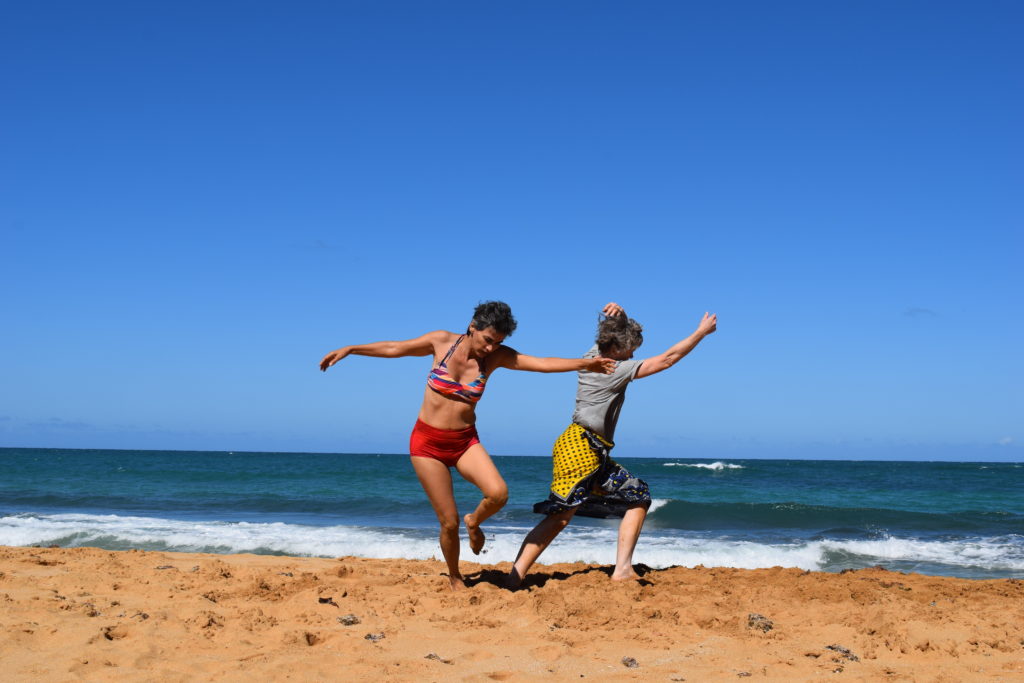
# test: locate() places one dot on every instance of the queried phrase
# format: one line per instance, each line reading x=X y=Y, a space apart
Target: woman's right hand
x=708 y=324
x=612 y=309
x=333 y=357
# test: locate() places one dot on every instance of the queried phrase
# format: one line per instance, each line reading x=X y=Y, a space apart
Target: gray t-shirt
x=599 y=397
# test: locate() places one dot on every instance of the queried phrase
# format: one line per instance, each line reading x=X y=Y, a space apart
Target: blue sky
x=199 y=200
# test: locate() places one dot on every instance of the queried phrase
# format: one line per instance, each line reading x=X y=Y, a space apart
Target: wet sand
x=84 y=613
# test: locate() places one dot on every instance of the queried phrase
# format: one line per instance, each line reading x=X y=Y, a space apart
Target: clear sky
x=199 y=200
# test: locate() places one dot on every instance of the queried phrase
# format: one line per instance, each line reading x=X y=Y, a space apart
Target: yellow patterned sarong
x=574 y=459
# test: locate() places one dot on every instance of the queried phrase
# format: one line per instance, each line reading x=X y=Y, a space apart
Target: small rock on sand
x=843 y=652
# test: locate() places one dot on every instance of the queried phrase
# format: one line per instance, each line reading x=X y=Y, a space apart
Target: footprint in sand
x=548 y=653
x=115 y=632
x=477 y=656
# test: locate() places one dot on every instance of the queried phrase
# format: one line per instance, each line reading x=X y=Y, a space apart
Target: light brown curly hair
x=617 y=332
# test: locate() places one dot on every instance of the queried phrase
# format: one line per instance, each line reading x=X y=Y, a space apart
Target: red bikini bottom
x=444 y=445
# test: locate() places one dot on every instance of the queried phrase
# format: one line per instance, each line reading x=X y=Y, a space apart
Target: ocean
x=940 y=518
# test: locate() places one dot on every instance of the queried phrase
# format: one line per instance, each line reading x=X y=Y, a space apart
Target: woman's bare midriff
x=446 y=413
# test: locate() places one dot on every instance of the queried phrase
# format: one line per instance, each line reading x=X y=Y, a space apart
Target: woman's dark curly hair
x=496 y=314
x=618 y=332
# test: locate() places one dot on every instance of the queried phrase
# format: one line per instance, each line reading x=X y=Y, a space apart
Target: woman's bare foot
x=625 y=575
x=476 y=536
x=457 y=583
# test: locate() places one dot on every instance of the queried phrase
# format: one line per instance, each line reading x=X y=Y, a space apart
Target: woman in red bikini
x=445 y=433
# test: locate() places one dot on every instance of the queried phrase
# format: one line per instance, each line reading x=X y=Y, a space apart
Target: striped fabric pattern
x=441 y=381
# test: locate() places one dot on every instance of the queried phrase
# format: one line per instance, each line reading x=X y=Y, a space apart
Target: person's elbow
x=667 y=360
x=396 y=350
x=547 y=368
x=652 y=366
x=532 y=364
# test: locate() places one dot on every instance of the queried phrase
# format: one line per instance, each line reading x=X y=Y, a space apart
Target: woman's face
x=483 y=342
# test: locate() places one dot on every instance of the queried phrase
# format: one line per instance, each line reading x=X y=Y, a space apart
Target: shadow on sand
x=499 y=578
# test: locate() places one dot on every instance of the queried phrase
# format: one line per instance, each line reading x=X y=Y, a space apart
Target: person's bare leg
x=437 y=482
x=535 y=543
x=629 y=532
x=478 y=469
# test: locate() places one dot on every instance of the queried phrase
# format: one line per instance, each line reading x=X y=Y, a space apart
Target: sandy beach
x=85 y=613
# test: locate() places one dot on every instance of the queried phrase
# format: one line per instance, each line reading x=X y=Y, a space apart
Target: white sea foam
x=717 y=466
x=593 y=544
x=657 y=503
x=218 y=537
x=1004 y=552
x=1001 y=554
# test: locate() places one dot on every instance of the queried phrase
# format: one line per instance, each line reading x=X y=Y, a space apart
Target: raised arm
x=420 y=346
x=513 y=360
x=663 y=361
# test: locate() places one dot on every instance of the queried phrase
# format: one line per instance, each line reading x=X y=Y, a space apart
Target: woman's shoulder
x=441 y=339
x=502 y=356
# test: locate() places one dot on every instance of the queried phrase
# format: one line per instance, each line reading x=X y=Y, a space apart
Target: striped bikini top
x=440 y=381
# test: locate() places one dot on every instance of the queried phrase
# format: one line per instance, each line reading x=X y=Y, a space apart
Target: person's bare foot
x=625 y=575
x=476 y=536
x=457 y=583
x=513 y=580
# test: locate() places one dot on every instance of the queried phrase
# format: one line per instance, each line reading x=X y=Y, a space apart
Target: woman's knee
x=449 y=523
x=561 y=521
x=497 y=495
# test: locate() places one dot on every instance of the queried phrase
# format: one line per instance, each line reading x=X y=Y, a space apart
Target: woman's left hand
x=605 y=366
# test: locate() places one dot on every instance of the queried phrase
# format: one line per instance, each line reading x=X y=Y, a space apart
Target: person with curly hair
x=445 y=432
x=585 y=479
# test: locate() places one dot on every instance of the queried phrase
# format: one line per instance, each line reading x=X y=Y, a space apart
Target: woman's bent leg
x=477 y=468
x=535 y=543
x=437 y=483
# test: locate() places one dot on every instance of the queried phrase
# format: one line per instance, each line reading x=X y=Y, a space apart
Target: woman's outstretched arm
x=513 y=360
x=420 y=346
x=665 y=360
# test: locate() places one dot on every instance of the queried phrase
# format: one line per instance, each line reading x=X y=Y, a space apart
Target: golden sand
x=84 y=613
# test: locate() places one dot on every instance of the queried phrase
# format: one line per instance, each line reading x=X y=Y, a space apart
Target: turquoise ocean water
x=957 y=519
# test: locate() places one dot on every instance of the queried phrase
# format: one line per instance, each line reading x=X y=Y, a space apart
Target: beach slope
x=70 y=613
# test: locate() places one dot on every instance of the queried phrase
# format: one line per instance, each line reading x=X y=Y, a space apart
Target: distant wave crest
x=717 y=466
x=657 y=503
